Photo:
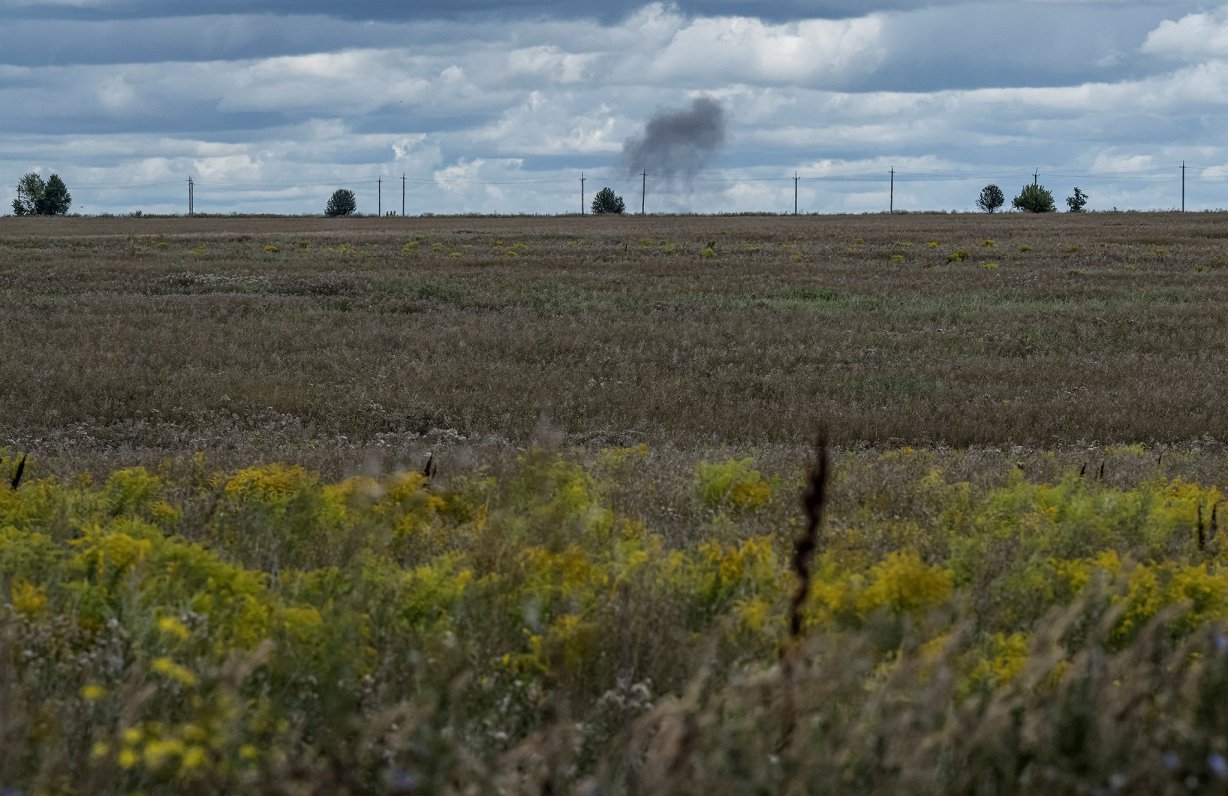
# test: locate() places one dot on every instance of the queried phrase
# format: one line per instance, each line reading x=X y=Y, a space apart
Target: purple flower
x=1219 y=765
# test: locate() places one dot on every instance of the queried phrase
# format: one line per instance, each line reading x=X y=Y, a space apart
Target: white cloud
x=551 y=63
x=352 y=80
x=1110 y=163
x=227 y=168
x=554 y=124
x=484 y=186
x=116 y=94
x=743 y=49
x=1190 y=38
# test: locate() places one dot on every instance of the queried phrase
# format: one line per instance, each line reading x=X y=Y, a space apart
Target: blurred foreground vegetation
x=540 y=628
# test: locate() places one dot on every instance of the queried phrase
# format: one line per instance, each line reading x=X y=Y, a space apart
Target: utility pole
x=891 y=195
x=644 y=192
x=1183 y=186
x=379 y=194
x=191 y=197
x=402 y=195
x=795 y=193
x=581 y=193
x=1035 y=177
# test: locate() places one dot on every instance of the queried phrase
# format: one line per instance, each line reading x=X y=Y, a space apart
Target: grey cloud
x=993 y=44
x=677 y=144
x=219 y=37
x=608 y=11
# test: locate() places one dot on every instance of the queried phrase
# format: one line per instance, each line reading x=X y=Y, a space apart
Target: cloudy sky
x=499 y=107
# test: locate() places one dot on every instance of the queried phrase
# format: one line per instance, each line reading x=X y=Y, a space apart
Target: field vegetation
x=468 y=505
x=243 y=338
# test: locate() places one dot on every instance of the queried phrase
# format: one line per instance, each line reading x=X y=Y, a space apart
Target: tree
x=341 y=203
x=1077 y=202
x=29 y=190
x=56 y=199
x=1035 y=199
x=606 y=201
x=991 y=198
x=38 y=198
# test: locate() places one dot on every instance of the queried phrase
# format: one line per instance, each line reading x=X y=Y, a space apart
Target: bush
x=606 y=201
x=341 y=203
x=991 y=198
x=1034 y=199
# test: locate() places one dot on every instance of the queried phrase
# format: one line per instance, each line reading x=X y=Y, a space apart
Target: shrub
x=1034 y=199
x=735 y=483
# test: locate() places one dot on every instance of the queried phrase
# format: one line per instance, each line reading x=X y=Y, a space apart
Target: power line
x=673 y=185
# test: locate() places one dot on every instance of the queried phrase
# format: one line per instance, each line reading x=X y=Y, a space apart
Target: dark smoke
x=675 y=145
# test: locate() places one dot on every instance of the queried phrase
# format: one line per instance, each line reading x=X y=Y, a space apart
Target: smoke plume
x=676 y=144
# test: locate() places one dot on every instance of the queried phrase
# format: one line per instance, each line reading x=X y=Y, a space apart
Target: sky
x=481 y=107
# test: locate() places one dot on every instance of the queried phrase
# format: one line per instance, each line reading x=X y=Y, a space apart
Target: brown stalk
x=803 y=556
x=808 y=542
x=21 y=468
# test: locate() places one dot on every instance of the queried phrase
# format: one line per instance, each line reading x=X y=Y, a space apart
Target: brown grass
x=131 y=340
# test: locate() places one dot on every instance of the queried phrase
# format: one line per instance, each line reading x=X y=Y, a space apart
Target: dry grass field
x=330 y=341
x=223 y=569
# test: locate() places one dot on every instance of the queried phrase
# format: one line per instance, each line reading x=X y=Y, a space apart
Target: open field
x=223 y=570
x=133 y=339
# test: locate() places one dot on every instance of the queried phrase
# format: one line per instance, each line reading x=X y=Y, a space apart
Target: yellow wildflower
x=173 y=627
x=193 y=758
x=28 y=598
x=180 y=674
x=158 y=753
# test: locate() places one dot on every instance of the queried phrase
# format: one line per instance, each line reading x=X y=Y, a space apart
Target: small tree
x=56 y=199
x=1077 y=202
x=991 y=198
x=1034 y=199
x=29 y=190
x=341 y=203
x=606 y=201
